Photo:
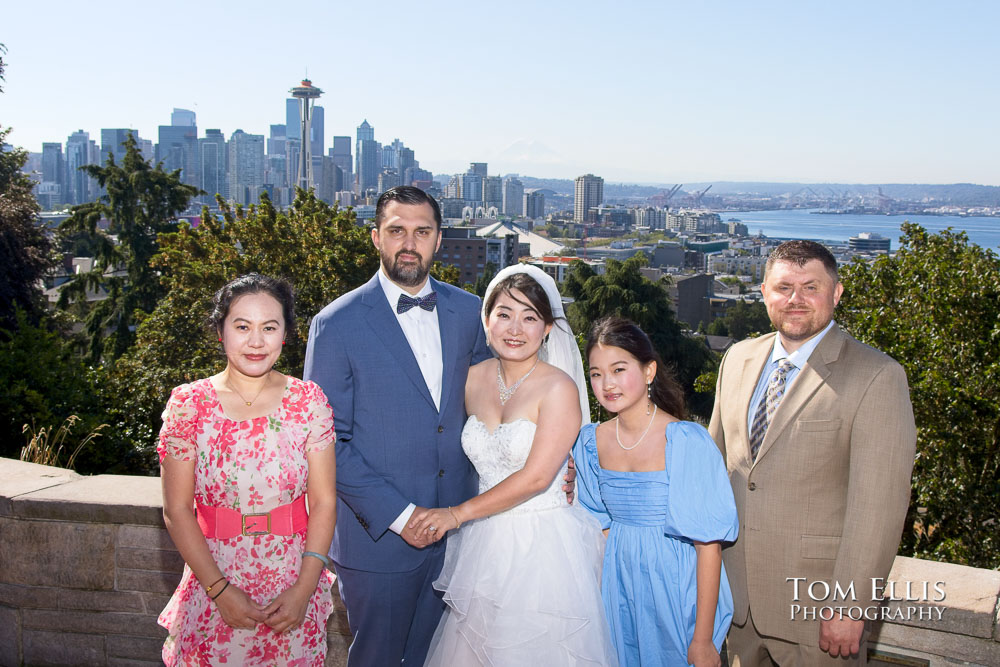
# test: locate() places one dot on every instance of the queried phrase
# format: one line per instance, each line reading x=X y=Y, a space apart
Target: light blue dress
x=649 y=582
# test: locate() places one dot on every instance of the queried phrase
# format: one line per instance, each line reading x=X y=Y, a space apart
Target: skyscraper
x=213 y=155
x=54 y=172
x=470 y=188
x=478 y=168
x=316 y=130
x=276 y=141
x=513 y=196
x=178 y=146
x=80 y=150
x=493 y=192
x=341 y=154
x=589 y=192
x=111 y=142
x=246 y=166
x=368 y=163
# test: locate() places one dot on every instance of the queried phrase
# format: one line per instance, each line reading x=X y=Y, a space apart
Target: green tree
x=742 y=320
x=483 y=281
x=25 y=251
x=935 y=308
x=622 y=290
x=320 y=249
x=141 y=203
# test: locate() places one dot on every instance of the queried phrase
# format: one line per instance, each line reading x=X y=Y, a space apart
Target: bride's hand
x=433 y=523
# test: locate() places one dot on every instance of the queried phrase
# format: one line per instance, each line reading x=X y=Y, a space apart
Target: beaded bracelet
x=324 y=559
x=221 y=591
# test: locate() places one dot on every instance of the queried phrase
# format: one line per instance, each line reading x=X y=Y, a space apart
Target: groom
x=392 y=357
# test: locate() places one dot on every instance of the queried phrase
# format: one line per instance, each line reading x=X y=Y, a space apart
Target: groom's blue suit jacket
x=393 y=446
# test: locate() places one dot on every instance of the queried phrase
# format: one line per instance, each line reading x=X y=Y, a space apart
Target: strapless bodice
x=499 y=453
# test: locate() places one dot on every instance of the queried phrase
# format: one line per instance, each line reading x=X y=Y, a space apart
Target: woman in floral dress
x=240 y=453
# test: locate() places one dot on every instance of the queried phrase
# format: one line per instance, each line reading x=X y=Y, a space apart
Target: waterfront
x=802 y=224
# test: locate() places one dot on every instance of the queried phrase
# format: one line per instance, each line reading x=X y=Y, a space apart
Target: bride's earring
x=545 y=345
x=649 y=395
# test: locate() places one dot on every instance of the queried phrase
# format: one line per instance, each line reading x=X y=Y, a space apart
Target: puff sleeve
x=178 y=435
x=588 y=469
x=700 y=502
x=319 y=419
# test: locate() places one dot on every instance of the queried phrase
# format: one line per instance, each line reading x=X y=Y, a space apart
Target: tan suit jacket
x=828 y=494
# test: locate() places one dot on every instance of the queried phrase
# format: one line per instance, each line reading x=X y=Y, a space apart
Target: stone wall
x=86 y=566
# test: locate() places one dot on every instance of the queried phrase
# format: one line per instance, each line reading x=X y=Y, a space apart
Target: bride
x=522 y=577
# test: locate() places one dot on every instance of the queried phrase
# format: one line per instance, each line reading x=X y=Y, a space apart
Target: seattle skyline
x=652 y=93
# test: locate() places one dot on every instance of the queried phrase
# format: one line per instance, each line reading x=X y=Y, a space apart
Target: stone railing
x=86 y=566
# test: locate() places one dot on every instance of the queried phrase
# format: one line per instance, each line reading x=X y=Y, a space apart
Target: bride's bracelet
x=458 y=524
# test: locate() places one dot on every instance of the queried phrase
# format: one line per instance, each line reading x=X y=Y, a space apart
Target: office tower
x=367 y=159
x=182 y=118
x=306 y=93
x=341 y=154
x=213 y=155
x=493 y=192
x=389 y=156
x=407 y=164
x=276 y=141
x=292 y=120
x=589 y=192
x=178 y=146
x=470 y=188
x=388 y=178
x=329 y=178
x=292 y=155
x=111 y=142
x=478 y=168
x=54 y=171
x=145 y=148
x=80 y=150
x=513 y=196
x=534 y=204
x=453 y=189
x=246 y=166
x=316 y=129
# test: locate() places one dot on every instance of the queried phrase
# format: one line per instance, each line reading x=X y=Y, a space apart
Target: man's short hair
x=405 y=194
x=801 y=252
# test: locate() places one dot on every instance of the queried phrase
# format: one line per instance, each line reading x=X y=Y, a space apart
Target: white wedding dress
x=523 y=586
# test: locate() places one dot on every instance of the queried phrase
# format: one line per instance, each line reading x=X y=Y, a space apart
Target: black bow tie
x=406 y=302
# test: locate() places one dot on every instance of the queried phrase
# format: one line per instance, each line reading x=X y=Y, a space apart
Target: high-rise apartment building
x=589 y=192
x=212 y=153
x=534 y=204
x=478 y=168
x=276 y=140
x=470 y=188
x=316 y=130
x=246 y=166
x=493 y=192
x=513 y=197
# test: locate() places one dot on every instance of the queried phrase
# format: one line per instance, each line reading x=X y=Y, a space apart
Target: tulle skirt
x=523 y=588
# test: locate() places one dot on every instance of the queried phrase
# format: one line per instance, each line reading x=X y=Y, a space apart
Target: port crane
x=698 y=195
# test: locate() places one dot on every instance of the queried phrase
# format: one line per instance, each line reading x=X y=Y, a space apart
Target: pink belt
x=223 y=523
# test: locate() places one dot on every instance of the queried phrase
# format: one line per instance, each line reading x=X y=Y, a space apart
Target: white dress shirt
x=798 y=358
x=423 y=333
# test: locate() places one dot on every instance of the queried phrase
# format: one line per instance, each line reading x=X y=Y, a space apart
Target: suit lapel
x=809 y=380
x=386 y=327
x=757 y=357
x=448 y=323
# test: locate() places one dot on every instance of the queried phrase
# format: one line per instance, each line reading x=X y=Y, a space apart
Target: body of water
x=801 y=224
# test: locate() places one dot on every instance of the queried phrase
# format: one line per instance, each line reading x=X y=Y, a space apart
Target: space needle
x=306 y=93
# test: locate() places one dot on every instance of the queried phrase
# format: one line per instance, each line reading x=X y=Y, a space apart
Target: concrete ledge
x=86 y=566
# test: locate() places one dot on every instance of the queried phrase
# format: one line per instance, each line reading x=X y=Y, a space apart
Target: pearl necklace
x=505 y=391
x=249 y=403
x=619 y=439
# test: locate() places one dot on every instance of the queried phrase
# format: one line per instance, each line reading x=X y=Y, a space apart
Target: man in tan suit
x=818 y=435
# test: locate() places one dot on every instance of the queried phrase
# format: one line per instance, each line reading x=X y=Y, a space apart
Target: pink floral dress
x=249 y=466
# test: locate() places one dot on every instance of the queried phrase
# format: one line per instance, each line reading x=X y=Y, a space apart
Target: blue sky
x=660 y=92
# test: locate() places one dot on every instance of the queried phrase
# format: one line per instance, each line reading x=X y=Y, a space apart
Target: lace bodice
x=496 y=454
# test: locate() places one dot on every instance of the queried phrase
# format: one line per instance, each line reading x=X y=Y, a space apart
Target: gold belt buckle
x=249 y=532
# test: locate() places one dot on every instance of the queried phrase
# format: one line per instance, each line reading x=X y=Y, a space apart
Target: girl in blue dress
x=660 y=485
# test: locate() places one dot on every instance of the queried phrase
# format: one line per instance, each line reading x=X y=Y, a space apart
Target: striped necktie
x=768 y=404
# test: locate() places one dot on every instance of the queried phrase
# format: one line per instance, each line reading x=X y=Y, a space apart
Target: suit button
x=440 y=473
x=440 y=429
x=752 y=486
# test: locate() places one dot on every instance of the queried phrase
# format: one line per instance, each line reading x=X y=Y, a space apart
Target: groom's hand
x=413 y=536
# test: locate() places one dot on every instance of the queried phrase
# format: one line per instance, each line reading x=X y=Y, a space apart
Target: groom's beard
x=411 y=274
